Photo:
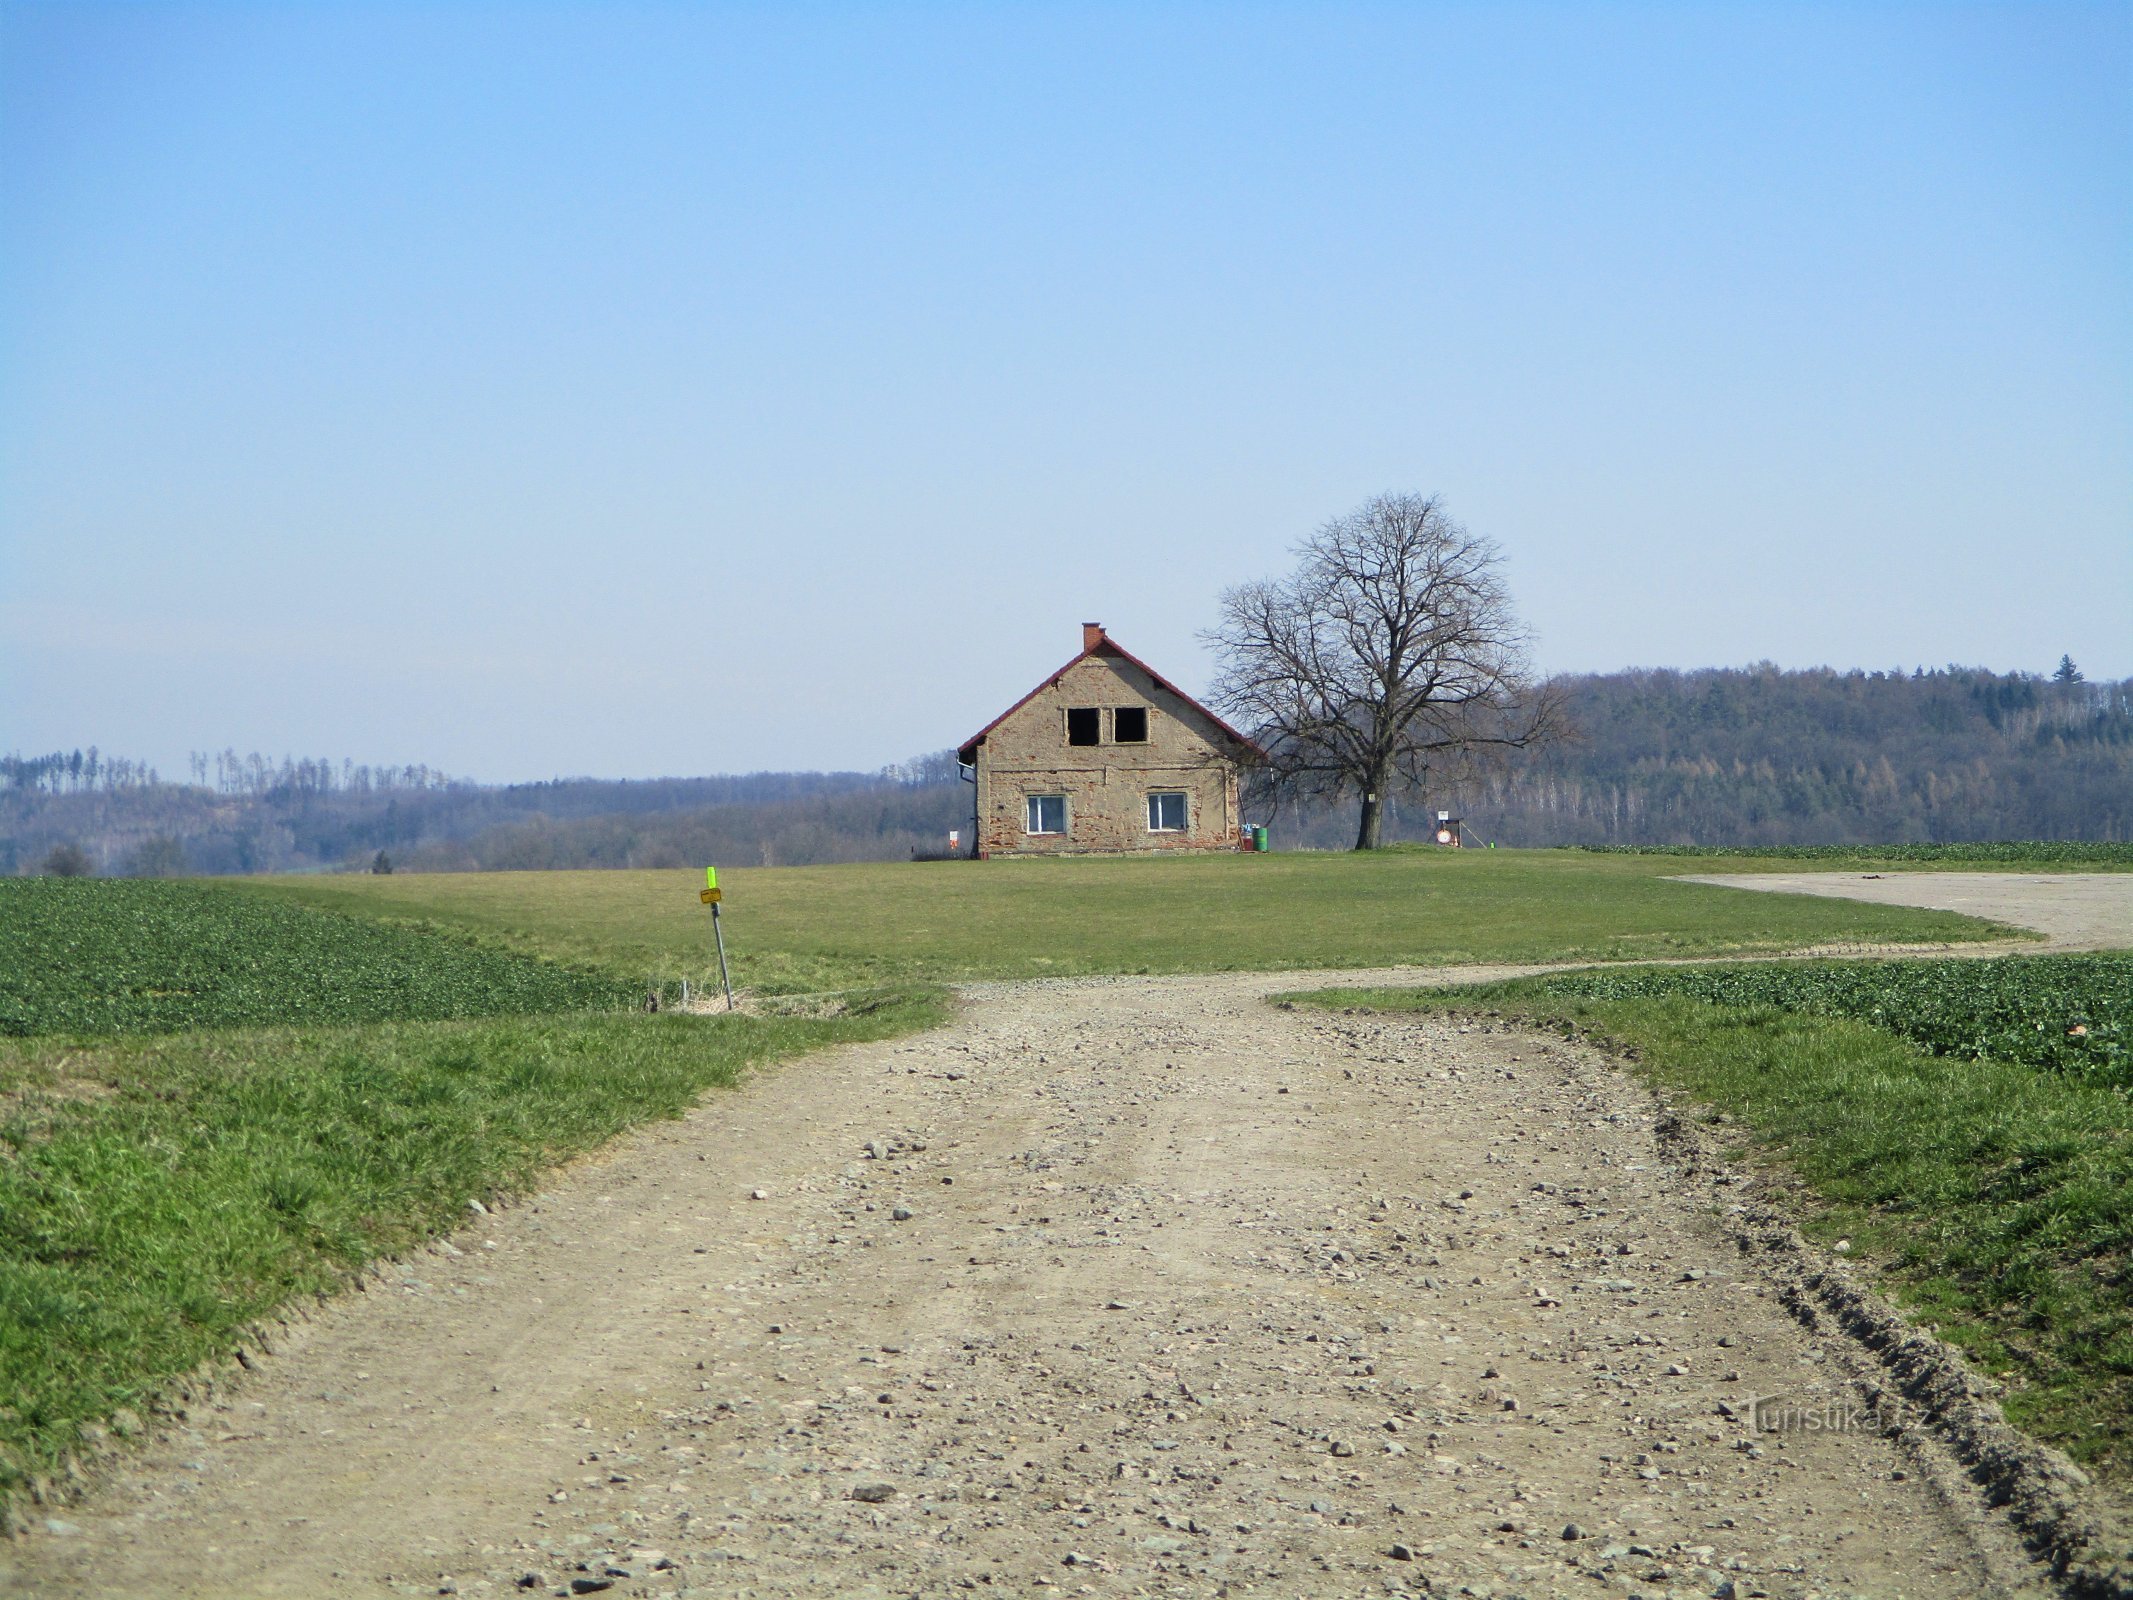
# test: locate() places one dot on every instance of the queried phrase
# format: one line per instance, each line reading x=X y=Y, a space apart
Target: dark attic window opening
x=1084 y=725
x=1129 y=724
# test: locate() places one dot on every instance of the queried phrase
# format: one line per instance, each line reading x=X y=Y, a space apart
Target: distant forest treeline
x=1750 y=756
x=301 y=816
x=1757 y=756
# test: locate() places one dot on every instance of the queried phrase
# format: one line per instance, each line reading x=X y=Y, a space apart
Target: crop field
x=148 y=956
x=2065 y=1013
x=1950 y=1120
x=806 y=929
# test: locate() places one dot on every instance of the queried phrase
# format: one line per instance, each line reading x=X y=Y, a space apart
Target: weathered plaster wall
x=1106 y=784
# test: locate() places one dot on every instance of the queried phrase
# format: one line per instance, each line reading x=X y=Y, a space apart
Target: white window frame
x=1032 y=816
x=1184 y=800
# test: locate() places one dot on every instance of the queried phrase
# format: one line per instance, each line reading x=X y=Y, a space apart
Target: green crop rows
x=2010 y=852
x=2068 y=1013
x=145 y=956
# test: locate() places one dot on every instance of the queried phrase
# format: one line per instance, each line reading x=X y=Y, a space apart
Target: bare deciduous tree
x=159 y=856
x=1391 y=648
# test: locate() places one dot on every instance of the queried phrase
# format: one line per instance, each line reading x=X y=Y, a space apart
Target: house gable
x=1098 y=645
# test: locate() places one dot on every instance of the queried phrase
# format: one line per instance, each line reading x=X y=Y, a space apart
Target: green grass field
x=801 y=929
x=1992 y=1197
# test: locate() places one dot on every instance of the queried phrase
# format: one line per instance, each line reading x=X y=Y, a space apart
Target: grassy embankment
x=800 y=929
x=177 y=1160
x=1968 y=1128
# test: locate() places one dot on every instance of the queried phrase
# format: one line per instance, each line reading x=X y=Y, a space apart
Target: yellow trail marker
x=710 y=897
x=710 y=877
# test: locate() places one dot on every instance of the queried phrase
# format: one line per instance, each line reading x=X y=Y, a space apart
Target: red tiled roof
x=1105 y=645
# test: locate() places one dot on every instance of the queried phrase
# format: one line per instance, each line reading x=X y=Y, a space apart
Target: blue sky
x=632 y=389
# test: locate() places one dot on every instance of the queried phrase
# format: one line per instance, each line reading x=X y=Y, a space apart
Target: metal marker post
x=711 y=896
x=717 y=934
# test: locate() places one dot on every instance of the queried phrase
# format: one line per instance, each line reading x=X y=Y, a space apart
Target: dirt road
x=1110 y=1288
x=2073 y=910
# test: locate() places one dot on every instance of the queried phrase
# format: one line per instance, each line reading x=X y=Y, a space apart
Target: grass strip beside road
x=159 y=1194
x=1992 y=1199
x=808 y=929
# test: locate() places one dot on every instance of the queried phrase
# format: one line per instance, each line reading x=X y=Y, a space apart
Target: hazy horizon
x=646 y=390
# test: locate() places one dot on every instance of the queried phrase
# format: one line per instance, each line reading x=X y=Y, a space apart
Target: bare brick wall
x=1107 y=784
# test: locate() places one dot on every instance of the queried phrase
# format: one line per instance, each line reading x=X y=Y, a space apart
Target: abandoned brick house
x=1103 y=757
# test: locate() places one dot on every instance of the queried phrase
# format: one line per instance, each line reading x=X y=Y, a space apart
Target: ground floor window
x=1047 y=813
x=1166 y=813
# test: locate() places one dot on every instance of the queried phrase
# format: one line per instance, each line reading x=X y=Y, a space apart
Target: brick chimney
x=1092 y=635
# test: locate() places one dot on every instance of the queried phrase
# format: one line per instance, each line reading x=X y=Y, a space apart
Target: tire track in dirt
x=1143 y=1288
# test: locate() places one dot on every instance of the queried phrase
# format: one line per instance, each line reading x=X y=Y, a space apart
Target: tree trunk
x=1366 y=833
